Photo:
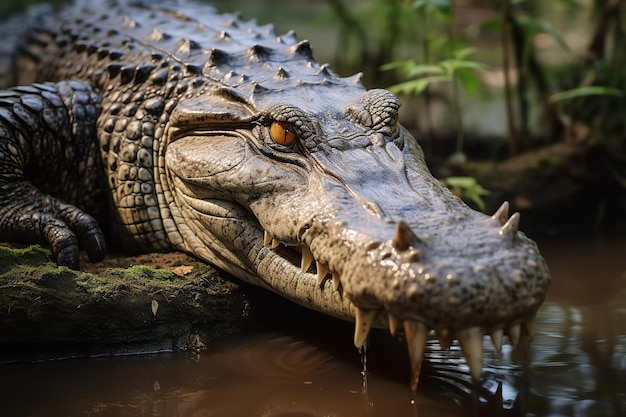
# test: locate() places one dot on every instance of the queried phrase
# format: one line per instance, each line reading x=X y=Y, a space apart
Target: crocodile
x=176 y=128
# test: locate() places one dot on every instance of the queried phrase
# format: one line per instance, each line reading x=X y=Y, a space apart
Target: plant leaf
x=469 y=80
x=419 y=70
x=398 y=65
x=416 y=87
x=585 y=92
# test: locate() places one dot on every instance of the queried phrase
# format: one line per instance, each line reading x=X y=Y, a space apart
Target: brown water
x=300 y=364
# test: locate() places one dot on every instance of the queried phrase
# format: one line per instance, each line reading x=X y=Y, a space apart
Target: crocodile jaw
x=421 y=265
x=391 y=247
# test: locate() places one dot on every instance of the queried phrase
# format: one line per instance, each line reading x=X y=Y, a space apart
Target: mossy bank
x=122 y=305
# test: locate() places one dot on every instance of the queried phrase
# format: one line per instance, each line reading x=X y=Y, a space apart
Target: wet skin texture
x=214 y=136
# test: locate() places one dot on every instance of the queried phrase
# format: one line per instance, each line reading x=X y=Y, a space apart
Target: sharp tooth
x=336 y=281
x=529 y=327
x=471 y=341
x=514 y=333
x=267 y=238
x=393 y=323
x=307 y=259
x=415 y=333
x=363 y=324
x=445 y=341
x=502 y=214
x=496 y=338
x=275 y=243
x=321 y=273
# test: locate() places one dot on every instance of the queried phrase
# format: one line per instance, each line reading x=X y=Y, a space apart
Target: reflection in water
x=575 y=367
x=579 y=355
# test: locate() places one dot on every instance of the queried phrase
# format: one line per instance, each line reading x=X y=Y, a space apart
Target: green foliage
x=444 y=71
x=586 y=91
x=468 y=189
x=594 y=96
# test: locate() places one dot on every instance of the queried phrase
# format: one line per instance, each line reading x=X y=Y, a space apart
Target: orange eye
x=283 y=133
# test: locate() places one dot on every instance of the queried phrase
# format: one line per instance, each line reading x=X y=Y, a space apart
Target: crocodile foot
x=35 y=217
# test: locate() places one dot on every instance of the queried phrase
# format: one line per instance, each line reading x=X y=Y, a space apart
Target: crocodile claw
x=45 y=220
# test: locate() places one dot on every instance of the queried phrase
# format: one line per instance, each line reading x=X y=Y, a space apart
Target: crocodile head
x=321 y=196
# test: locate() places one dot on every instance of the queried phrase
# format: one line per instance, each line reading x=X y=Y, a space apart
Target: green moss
x=113 y=303
x=139 y=272
x=31 y=255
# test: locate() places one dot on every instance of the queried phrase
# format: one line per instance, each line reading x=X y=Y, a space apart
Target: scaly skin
x=213 y=136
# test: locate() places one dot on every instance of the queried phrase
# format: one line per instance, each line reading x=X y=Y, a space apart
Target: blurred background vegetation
x=484 y=82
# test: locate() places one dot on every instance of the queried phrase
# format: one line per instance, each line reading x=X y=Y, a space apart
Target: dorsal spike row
x=156 y=35
x=217 y=57
x=324 y=70
x=258 y=53
x=303 y=48
x=224 y=36
x=187 y=45
x=281 y=74
x=288 y=38
x=252 y=88
x=356 y=79
x=267 y=29
x=231 y=23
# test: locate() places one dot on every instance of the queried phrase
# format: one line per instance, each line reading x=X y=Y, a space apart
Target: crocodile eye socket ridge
x=283 y=133
x=394 y=123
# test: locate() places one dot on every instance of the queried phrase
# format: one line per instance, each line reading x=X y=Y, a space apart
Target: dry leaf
x=182 y=270
x=155 y=307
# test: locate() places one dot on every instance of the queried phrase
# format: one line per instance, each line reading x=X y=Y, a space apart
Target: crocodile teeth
x=267 y=238
x=514 y=333
x=393 y=323
x=529 y=327
x=496 y=339
x=502 y=214
x=445 y=340
x=362 y=326
x=415 y=333
x=321 y=273
x=471 y=341
x=336 y=281
x=275 y=243
x=307 y=259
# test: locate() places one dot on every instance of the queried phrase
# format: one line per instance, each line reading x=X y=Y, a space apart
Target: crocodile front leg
x=48 y=159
